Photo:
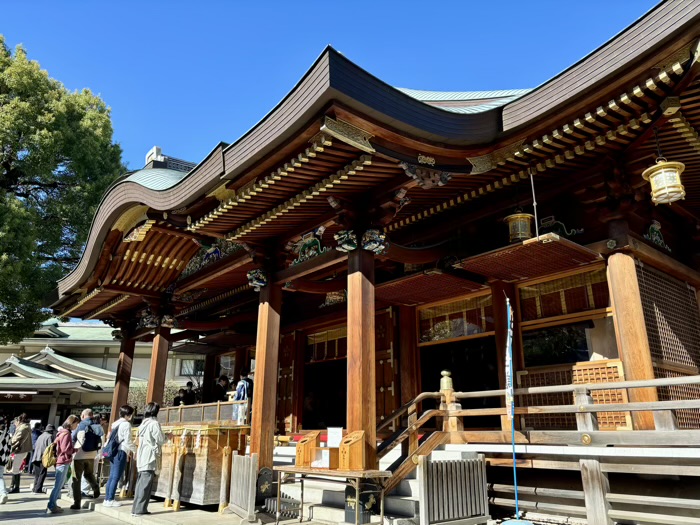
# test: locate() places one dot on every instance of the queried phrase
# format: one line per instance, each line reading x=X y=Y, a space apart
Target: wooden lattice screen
x=672 y=321
x=602 y=371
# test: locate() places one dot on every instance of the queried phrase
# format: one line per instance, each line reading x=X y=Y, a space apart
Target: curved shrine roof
x=457 y=130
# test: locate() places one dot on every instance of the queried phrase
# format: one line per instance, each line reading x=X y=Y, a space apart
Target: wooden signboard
x=352 y=451
x=304 y=448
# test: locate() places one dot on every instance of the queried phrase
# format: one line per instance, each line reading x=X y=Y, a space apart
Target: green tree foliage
x=57 y=158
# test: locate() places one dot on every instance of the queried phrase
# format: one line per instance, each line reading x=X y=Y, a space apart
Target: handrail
x=558 y=389
x=404 y=409
x=412 y=429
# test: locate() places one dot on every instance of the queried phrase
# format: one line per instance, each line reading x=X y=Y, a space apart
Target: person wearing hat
x=43 y=441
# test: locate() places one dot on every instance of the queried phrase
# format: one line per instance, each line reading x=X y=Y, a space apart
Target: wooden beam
x=123 y=378
x=661 y=261
x=132 y=291
x=361 y=401
x=219 y=268
x=318 y=287
x=312 y=265
x=631 y=332
x=409 y=354
x=262 y=430
x=159 y=364
x=404 y=254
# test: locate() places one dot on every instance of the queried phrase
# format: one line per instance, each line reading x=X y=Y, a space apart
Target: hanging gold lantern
x=519 y=226
x=665 y=180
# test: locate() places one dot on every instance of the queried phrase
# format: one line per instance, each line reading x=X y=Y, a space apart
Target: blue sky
x=185 y=75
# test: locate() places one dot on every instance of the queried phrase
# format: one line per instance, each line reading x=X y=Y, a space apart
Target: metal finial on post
x=446 y=380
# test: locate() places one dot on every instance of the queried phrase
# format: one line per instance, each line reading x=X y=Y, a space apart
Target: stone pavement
x=26 y=508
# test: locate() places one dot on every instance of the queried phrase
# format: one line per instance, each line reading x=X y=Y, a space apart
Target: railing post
x=585 y=421
x=412 y=434
x=595 y=482
x=450 y=423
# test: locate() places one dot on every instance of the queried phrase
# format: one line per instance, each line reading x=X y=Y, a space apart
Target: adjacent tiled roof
x=452 y=99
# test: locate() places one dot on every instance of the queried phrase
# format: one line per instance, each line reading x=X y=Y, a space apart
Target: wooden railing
x=206 y=412
x=631 y=446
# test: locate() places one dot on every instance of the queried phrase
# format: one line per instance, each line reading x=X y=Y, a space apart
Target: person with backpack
x=21 y=447
x=119 y=445
x=42 y=442
x=244 y=392
x=85 y=484
x=5 y=439
x=64 y=457
x=148 y=457
x=86 y=443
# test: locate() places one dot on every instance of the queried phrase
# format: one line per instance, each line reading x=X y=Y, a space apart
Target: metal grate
x=671 y=317
x=453 y=491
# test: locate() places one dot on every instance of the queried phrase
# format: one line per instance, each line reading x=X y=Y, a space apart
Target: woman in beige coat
x=21 y=447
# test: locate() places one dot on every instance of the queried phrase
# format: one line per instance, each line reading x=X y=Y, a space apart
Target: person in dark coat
x=190 y=394
x=43 y=441
x=221 y=388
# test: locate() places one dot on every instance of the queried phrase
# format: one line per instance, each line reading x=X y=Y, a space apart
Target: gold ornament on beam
x=665 y=178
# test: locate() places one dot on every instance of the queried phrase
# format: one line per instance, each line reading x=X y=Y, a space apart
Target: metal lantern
x=519 y=226
x=665 y=180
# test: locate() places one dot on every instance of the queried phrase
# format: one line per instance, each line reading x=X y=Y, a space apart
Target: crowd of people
x=76 y=449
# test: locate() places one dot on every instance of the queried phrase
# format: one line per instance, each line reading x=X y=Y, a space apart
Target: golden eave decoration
x=665 y=180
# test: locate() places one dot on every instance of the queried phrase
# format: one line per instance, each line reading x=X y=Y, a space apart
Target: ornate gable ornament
x=257 y=278
x=427 y=177
x=490 y=161
x=208 y=254
x=309 y=246
x=654 y=235
x=346 y=132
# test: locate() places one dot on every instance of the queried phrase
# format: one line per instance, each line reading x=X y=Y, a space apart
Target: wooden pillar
x=209 y=378
x=298 y=382
x=262 y=431
x=123 y=378
x=631 y=333
x=362 y=409
x=239 y=363
x=409 y=354
x=159 y=365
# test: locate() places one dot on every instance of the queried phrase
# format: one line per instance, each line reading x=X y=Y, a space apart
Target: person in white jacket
x=122 y=427
x=151 y=441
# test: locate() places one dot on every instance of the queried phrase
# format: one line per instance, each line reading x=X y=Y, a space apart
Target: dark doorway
x=325 y=394
x=473 y=367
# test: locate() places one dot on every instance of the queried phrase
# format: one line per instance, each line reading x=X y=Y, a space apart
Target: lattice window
x=687 y=419
x=608 y=371
x=671 y=317
x=568 y=295
x=460 y=318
